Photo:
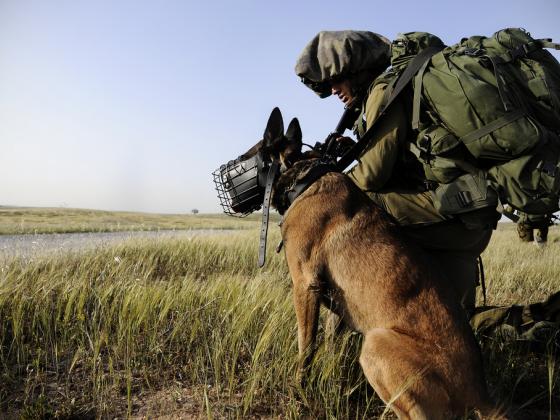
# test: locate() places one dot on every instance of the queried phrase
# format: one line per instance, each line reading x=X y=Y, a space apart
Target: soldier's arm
x=375 y=166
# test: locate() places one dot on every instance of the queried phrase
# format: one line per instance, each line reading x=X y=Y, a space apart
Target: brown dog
x=418 y=353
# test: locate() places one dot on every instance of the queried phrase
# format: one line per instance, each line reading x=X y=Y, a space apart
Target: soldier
x=527 y=223
x=346 y=64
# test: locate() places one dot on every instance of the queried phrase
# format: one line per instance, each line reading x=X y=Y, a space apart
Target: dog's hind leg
x=398 y=368
x=306 y=303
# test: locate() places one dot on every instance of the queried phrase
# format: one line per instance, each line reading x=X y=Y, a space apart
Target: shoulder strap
x=415 y=64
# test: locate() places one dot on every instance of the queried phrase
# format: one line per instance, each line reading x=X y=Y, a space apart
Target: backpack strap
x=493 y=126
x=415 y=64
x=417 y=95
x=440 y=161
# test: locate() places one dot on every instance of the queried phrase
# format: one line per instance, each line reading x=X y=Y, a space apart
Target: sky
x=130 y=105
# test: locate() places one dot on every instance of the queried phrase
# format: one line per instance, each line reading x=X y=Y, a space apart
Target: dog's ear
x=274 y=130
x=292 y=152
x=293 y=134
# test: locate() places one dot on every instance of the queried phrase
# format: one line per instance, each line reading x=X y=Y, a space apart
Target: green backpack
x=487 y=116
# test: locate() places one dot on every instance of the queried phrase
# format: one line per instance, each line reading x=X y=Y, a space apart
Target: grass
x=194 y=328
x=21 y=220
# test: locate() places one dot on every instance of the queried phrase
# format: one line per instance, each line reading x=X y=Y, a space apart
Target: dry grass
x=193 y=329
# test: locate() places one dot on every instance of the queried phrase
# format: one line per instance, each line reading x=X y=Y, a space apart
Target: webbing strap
x=417 y=96
x=501 y=83
x=266 y=210
x=415 y=64
x=313 y=175
x=440 y=161
x=507 y=213
x=493 y=126
x=482 y=279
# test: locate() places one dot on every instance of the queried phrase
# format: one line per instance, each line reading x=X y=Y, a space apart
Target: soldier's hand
x=341 y=145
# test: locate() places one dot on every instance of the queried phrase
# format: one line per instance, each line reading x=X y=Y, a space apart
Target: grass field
x=21 y=220
x=193 y=328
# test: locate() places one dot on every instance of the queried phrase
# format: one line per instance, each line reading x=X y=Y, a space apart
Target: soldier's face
x=343 y=89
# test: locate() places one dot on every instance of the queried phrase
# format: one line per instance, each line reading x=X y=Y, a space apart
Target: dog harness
x=316 y=171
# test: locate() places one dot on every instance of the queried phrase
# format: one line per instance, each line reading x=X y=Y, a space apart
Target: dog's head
x=250 y=182
x=241 y=182
x=277 y=145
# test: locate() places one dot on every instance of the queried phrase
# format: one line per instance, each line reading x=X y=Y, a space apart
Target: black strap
x=482 y=279
x=266 y=210
x=415 y=64
x=508 y=213
x=313 y=175
x=493 y=126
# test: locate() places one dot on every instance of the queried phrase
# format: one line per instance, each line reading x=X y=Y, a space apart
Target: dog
x=418 y=352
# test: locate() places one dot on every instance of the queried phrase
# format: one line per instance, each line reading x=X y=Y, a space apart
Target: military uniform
x=529 y=222
x=392 y=178
x=394 y=181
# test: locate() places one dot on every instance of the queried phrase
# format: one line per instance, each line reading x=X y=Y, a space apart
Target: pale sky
x=130 y=105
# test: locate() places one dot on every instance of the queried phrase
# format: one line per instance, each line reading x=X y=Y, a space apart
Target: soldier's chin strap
x=272 y=172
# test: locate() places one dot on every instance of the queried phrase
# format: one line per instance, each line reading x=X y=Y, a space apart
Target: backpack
x=486 y=113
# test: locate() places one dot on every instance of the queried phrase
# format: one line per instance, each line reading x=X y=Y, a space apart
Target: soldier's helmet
x=336 y=55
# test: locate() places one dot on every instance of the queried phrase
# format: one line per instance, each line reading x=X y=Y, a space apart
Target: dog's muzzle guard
x=240 y=184
x=244 y=186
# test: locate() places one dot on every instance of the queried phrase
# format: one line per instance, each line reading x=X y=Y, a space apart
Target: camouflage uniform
x=386 y=171
x=528 y=222
x=393 y=178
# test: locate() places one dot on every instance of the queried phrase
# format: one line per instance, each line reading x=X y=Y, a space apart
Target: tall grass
x=521 y=272
x=193 y=327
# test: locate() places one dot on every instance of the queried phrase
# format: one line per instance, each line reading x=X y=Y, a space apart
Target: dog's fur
x=418 y=353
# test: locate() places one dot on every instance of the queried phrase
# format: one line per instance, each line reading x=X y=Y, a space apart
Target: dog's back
x=419 y=352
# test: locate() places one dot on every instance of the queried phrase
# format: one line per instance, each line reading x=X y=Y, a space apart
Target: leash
x=272 y=172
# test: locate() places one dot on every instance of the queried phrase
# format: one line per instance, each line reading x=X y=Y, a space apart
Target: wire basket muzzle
x=238 y=187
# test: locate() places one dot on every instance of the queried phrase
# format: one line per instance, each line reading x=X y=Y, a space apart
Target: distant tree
x=194 y=211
